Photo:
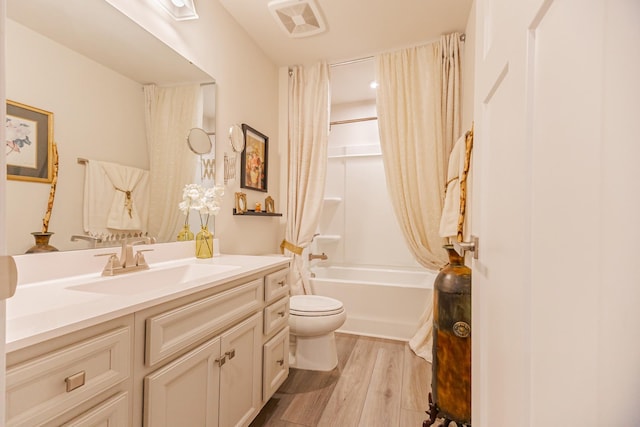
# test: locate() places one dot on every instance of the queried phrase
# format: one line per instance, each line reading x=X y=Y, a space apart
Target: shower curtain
x=169 y=114
x=418 y=103
x=308 y=140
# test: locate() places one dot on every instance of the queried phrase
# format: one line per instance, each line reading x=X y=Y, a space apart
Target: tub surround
x=383 y=303
x=49 y=303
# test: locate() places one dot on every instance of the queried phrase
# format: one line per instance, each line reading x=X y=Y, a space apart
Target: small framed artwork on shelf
x=29 y=143
x=254 y=159
x=241 y=203
x=269 y=205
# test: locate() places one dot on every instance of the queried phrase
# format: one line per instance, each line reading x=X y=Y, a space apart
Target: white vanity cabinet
x=216 y=384
x=205 y=356
x=81 y=379
x=275 y=369
x=213 y=357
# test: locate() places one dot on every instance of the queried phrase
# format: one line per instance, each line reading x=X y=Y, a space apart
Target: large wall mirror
x=87 y=64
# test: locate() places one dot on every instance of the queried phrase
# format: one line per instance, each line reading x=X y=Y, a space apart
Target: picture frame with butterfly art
x=29 y=143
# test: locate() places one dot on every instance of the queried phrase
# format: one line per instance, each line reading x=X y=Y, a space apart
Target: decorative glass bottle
x=204 y=243
x=185 y=234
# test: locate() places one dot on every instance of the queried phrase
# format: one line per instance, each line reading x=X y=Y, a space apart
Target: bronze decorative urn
x=450 y=396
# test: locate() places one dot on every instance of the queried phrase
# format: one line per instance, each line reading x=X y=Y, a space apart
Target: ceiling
x=355 y=29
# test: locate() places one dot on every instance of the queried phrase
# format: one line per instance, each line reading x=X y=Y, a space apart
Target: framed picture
x=29 y=143
x=254 y=159
x=269 y=205
x=241 y=203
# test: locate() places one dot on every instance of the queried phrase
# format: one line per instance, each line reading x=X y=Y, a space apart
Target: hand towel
x=105 y=209
x=451 y=209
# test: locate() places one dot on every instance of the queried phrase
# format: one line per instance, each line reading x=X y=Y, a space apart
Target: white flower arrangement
x=206 y=201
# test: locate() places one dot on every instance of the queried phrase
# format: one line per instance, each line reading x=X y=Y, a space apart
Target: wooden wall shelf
x=252 y=212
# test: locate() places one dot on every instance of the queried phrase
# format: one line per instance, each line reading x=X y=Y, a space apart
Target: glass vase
x=204 y=243
x=185 y=234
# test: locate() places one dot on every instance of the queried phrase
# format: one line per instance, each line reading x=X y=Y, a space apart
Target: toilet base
x=317 y=353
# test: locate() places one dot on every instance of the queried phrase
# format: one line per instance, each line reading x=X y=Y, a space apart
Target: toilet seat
x=314 y=305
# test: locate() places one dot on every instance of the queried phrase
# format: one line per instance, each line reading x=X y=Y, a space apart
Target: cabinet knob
x=221 y=361
x=280 y=362
x=74 y=381
x=231 y=353
x=282 y=282
x=281 y=313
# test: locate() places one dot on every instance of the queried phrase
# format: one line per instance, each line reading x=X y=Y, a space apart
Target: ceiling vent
x=298 y=18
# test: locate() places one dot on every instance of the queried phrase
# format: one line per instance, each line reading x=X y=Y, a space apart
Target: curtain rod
x=351 y=61
x=344 y=122
x=366 y=58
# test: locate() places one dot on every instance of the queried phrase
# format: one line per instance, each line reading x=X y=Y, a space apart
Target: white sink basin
x=148 y=280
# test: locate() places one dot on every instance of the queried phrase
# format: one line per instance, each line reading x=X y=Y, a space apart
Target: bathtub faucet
x=322 y=257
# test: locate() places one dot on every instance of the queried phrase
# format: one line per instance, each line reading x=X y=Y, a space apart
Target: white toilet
x=312 y=321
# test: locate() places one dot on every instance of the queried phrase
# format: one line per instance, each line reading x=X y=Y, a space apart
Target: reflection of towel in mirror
x=115 y=198
x=451 y=209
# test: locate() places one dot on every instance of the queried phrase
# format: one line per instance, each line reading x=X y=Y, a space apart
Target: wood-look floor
x=377 y=382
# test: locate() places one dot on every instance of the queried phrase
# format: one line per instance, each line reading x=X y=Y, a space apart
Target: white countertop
x=45 y=309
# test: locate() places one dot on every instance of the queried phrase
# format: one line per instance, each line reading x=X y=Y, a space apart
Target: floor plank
x=416 y=381
x=382 y=405
x=377 y=382
x=346 y=402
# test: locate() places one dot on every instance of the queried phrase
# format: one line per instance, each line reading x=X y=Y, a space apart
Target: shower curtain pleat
x=169 y=114
x=307 y=149
x=418 y=103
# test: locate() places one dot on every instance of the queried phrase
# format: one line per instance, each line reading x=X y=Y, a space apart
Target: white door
x=555 y=205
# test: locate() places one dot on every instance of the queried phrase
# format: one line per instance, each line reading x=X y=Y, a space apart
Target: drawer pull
x=221 y=361
x=280 y=362
x=281 y=313
x=282 y=282
x=231 y=353
x=74 y=381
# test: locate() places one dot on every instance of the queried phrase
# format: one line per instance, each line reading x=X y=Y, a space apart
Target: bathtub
x=385 y=303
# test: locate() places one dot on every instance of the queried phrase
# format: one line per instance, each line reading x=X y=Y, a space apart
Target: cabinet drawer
x=45 y=387
x=275 y=363
x=276 y=315
x=276 y=285
x=112 y=412
x=174 y=330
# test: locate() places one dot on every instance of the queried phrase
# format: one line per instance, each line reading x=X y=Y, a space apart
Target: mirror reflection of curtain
x=169 y=114
x=308 y=140
x=418 y=104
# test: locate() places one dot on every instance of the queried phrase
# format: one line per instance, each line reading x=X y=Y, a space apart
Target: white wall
x=247 y=92
x=364 y=217
x=97 y=114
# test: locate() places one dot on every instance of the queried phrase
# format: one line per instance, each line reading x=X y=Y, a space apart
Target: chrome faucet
x=127 y=261
x=323 y=257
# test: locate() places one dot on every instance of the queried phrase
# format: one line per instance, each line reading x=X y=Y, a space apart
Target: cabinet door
x=240 y=377
x=186 y=391
x=276 y=363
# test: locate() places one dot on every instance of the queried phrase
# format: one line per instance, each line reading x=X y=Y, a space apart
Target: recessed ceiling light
x=180 y=10
x=297 y=18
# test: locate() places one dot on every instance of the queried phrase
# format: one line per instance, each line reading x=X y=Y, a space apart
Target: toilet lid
x=314 y=305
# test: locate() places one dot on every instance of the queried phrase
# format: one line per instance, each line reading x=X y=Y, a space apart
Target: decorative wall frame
x=254 y=159
x=269 y=205
x=29 y=145
x=241 y=202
